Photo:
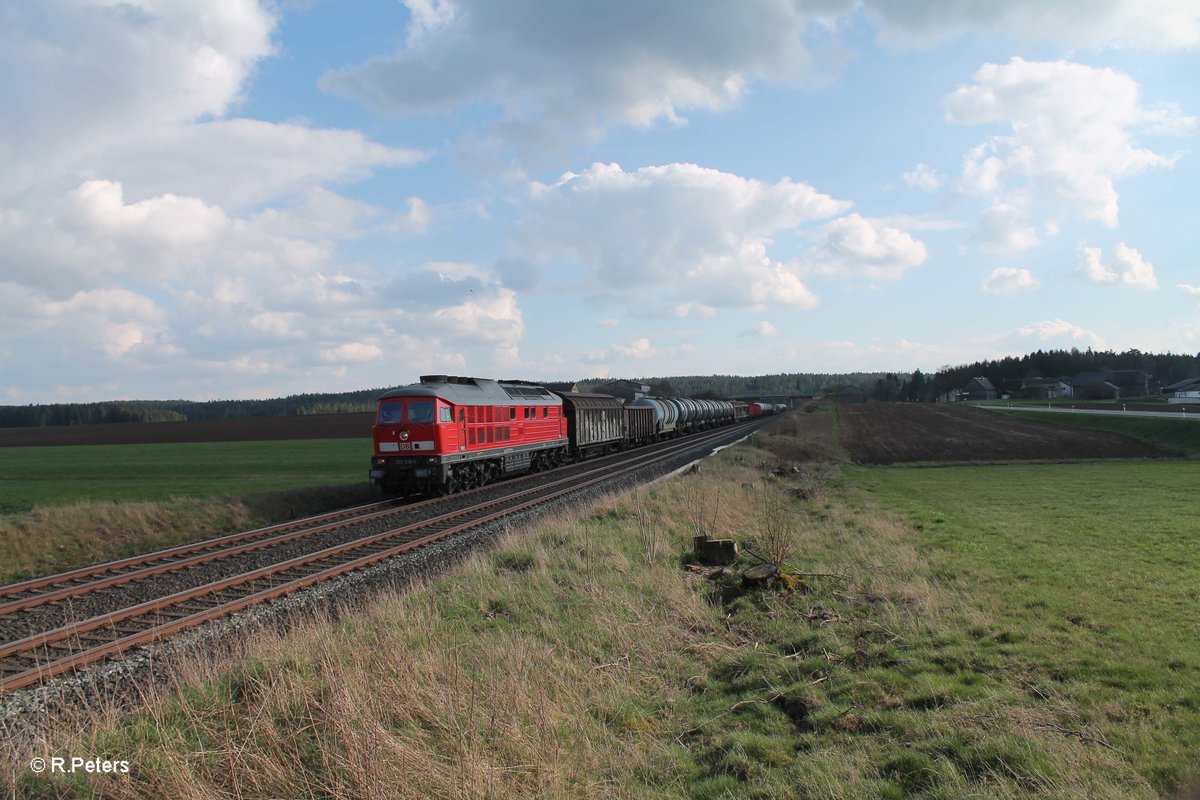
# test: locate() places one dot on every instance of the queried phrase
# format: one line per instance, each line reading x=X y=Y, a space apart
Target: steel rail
x=121 y=578
x=84 y=580
x=90 y=655
x=33 y=584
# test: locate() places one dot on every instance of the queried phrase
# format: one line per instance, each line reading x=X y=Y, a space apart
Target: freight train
x=450 y=433
x=761 y=409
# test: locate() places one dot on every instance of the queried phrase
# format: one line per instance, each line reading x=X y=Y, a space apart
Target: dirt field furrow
x=887 y=433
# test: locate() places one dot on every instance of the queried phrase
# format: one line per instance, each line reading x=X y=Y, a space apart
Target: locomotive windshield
x=420 y=411
x=389 y=413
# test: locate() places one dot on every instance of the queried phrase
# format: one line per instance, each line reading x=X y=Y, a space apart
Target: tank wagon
x=448 y=433
x=760 y=408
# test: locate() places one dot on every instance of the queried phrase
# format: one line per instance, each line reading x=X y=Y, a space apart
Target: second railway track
x=33 y=654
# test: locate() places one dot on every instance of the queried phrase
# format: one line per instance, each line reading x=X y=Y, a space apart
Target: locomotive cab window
x=447 y=414
x=462 y=415
x=420 y=411
x=389 y=413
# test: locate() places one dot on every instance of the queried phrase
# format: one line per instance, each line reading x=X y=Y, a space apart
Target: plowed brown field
x=886 y=433
x=258 y=429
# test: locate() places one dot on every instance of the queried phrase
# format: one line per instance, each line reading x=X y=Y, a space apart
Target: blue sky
x=251 y=199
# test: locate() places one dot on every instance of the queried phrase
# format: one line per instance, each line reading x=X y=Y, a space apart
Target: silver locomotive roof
x=477 y=392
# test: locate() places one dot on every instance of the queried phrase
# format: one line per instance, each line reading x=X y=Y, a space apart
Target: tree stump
x=720 y=552
x=760 y=574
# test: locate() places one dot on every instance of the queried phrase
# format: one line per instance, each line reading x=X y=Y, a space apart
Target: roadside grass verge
x=586 y=657
x=1179 y=436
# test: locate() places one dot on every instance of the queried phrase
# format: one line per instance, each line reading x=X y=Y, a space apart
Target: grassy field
x=62 y=507
x=1182 y=436
x=971 y=632
x=41 y=476
x=1090 y=569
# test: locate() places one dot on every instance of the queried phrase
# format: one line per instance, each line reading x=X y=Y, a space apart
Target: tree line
x=1168 y=368
x=724 y=387
x=33 y=416
x=916 y=386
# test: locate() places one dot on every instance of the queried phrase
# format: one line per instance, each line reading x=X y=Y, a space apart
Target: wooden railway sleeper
x=29 y=660
x=191 y=607
x=90 y=638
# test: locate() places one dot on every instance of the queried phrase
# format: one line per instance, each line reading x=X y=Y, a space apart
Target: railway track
x=54 y=650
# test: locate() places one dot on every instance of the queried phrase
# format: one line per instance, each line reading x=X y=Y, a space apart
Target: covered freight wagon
x=595 y=422
x=640 y=425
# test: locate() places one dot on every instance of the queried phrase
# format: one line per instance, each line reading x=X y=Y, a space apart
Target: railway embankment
x=588 y=655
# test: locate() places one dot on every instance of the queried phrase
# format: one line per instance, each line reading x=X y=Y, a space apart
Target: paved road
x=1059 y=410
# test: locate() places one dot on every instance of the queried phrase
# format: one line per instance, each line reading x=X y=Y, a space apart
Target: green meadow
x=43 y=476
x=1091 y=569
x=62 y=507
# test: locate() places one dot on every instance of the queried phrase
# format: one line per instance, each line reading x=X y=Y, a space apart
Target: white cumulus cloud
x=1127 y=267
x=1061 y=331
x=559 y=71
x=856 y=245
x=564 y=70
x=924 y=177
x=763 y=328
x=1009 y=280
x=638 y=348
x=1190 y=291
x=1150 y=24
x=673 y=236
x=126 y=174
x=354 y=352
x=1004 y=229
x=1072 y=136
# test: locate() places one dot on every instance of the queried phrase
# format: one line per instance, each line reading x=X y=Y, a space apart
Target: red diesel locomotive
x=447 y=433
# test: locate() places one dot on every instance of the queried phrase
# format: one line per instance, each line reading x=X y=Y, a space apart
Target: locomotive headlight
x=404 y=436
